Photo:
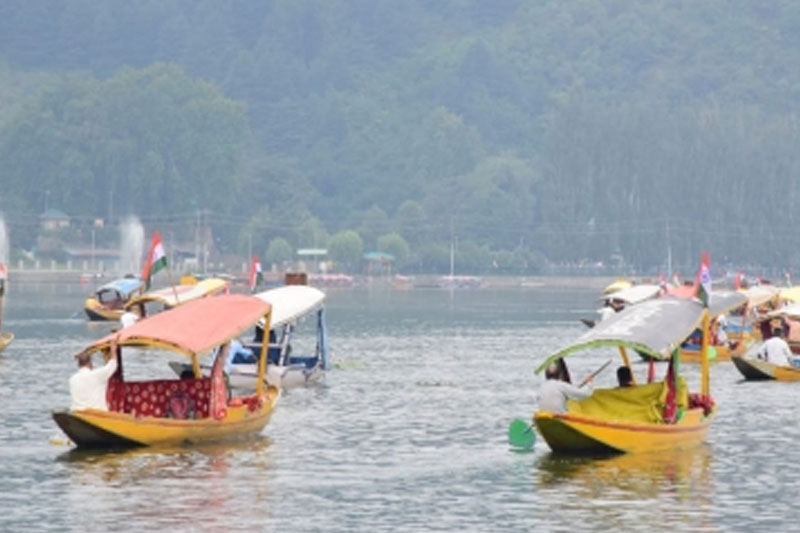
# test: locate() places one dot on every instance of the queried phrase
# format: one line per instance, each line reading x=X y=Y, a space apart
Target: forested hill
x=523 y=131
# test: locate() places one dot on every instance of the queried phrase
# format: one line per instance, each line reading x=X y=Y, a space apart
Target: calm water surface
x=407 y=434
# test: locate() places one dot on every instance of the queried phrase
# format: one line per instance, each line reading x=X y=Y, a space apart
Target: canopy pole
x=196 y=366
x=262 y=360
x=627 y=363
x=705 y=378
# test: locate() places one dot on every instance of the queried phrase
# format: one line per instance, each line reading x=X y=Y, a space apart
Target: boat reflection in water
x=196 y=480
x=628 y=492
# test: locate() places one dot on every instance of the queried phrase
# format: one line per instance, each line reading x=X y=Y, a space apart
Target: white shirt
x=775 y=350
x=554 y=393
x=128 y=319
x=88 y=386
x=606 y=313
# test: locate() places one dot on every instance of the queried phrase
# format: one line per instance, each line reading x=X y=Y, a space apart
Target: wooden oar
x=521 y=434
x=593 y=374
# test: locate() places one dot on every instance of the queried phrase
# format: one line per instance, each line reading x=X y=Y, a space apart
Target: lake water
x=408 y=433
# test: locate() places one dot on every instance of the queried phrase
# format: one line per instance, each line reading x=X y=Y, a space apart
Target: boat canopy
x=617 y=286
x=193 y=328
x=760 y=294
x=724 y=301
x=185 y=293
x=635 y=294
x=655 y=327
x=290 y=303
x=790 y=294
x=124 y=286
x=790 y=311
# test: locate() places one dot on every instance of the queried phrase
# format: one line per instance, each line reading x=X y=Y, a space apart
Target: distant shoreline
x=23 y=277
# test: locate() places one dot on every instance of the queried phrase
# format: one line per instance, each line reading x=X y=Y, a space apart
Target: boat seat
x=151 y=398
x=639 y=403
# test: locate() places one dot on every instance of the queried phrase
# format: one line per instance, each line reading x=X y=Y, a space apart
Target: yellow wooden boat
x=140 y=412
x=108 y=301
x=158 y=300
x=651 y=417
x=756 y=369
x=718 y=353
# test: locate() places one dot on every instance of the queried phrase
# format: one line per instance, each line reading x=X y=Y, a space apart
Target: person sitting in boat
x=776 y=350
x=129 y=317
x=87 y=386
x=239 y=355
x=720 y=337
x=624 y=376
x=554 y=392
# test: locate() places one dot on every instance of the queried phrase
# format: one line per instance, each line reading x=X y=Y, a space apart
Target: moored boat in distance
x=108 y=301
x=158 y=300
x=193 y=409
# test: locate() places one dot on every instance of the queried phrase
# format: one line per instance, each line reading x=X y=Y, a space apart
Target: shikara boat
x=624 y=297
x=650 y=417
x=753 y=368
x=141 y=413
x=158 y=300
x=721 y=303
x=287 y=366
x=761 y=299
x=108 y=301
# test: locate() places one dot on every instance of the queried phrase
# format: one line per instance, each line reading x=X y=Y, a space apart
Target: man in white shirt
x=87 y=386
x=129 y=318
x=775 y=350
x=554 y=393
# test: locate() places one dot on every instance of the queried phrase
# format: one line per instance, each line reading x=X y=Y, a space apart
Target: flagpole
x=174 y=290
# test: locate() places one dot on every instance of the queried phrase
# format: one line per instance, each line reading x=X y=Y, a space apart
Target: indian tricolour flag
x=704 y=278
x=256 y=274
x=156 y=259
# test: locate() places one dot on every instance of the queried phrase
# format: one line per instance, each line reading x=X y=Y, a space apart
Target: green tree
x=346 y=248
x=278 y=252
x=394 y=244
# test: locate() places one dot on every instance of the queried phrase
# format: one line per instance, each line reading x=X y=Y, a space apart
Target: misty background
x=530 y=136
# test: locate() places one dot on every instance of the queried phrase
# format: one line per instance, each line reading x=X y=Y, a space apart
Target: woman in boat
x=554 y=392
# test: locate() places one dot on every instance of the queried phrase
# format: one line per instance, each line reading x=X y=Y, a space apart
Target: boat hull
x=92 y=428
x=6 y=338
x=757 y=370
x=96 y=311
x=723 y=353
x=578 y=434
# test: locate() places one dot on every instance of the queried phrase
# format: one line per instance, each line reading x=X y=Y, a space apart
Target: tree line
x=522 y=134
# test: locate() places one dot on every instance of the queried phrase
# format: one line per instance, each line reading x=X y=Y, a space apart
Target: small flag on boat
x=155 y=261
x=3 y=272
x=739 y=277
x=256 y=274
x=704 y=277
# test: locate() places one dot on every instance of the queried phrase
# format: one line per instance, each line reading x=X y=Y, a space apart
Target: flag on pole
x=156 y=259
x=256 y=275
x=704 y=278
